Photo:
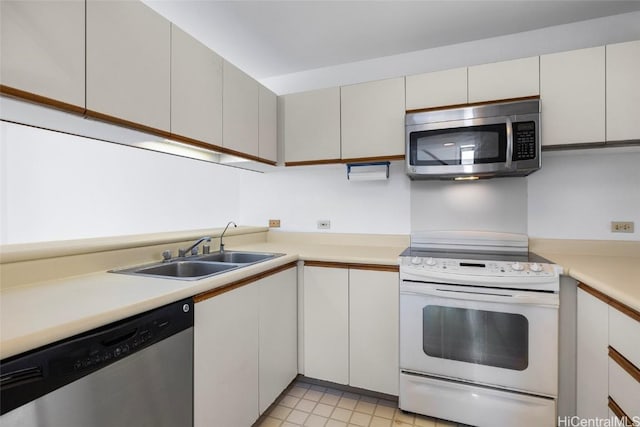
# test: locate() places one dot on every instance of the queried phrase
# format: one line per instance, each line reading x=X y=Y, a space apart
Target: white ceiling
x=273 y=38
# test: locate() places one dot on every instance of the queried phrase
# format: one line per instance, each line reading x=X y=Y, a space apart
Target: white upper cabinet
x=42 y=48
x=312 y=125
x=572 y=96
x=373 y=119
x=503 y=80
x=623 y=91
x=437 y=89
x=268 y=128
x=240 y=111
x=196 y=89
x=128 y=62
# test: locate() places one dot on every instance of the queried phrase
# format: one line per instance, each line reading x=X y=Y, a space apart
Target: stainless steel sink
x=199 y=267
x=185 y=270
x=237 y=257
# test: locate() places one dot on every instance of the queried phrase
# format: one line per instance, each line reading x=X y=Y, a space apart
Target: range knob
x=516 y=266
x=416 y=260
x=431 y=261
x=535 y=267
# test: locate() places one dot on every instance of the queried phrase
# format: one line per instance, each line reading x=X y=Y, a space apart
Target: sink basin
x=199 y=267
x=185 y=270
x=237 y=257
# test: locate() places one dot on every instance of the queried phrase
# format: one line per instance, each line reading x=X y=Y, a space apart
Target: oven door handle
x=539 y=299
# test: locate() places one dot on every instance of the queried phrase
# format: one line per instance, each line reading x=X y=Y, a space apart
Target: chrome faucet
x=222 y=235
x=193 y=248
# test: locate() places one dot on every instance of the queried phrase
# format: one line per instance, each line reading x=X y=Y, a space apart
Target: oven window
x=476 y=336
x=459 y=146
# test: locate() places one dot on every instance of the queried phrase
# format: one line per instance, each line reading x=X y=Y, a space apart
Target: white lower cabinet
x=592 y=359
x=351 y=327
x=373 y=330
x=226 y=359
x=244 y=350
x=326 y=324
x=278 y=331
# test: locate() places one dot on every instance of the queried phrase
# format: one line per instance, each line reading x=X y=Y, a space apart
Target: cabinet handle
x=625 y=364
x=628 y=421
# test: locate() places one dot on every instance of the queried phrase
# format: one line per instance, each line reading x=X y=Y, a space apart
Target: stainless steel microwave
x=473 y=142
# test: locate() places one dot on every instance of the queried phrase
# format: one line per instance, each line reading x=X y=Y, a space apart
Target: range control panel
x=524 y=141
x=479 y=268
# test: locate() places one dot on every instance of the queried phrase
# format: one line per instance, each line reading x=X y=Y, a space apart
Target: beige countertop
x=613 y=268
x=36 y=314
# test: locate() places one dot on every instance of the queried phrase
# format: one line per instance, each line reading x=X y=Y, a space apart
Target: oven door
x=496 y=337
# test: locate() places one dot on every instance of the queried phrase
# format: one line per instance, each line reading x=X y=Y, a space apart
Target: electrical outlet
x=274 y=223
x=324 y=224
x=622 y=226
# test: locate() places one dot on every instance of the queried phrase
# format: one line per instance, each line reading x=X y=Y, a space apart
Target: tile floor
x=314 y=406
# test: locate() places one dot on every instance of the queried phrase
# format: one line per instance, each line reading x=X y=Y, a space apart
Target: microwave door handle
x=509 y=141
x=547 y=300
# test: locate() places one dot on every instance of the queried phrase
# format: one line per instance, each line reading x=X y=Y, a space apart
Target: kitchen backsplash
x=58 y=187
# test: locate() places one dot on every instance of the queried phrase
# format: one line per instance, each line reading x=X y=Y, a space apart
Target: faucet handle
x=166 y=255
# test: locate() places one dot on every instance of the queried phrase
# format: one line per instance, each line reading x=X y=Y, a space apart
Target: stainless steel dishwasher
x=135 y=372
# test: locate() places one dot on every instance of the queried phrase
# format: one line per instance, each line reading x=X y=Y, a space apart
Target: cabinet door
x=437 y=89
x=312 y=125
x=592 y=361
x=240 y=112
x=572 y=96
x=278 y=331
x=226 y=359
x=623 y=91
x=373 y=119
x=196 y=89
x=373 y=330
x=268 y=132
x=504 y=80
x=129 y=62
x=326 y=324
x=42 y=48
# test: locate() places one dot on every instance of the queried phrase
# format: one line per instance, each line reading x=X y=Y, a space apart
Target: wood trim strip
x=473 y=104
x=634 y=314
x=126 y=123
x=242 y=282
x=351 y=265
x=218 y=148
x=617 y=410
x=313 y=162
x=624 y=363
x=42 y=100
x=591 y=145
x=389 y=158
x=70 y=108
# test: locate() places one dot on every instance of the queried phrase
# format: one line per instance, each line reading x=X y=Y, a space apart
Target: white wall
x=489 y=205
x=57 y=187
x=300 y=196
x=578 y=193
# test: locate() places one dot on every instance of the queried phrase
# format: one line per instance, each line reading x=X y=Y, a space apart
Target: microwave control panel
x=524 y=141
